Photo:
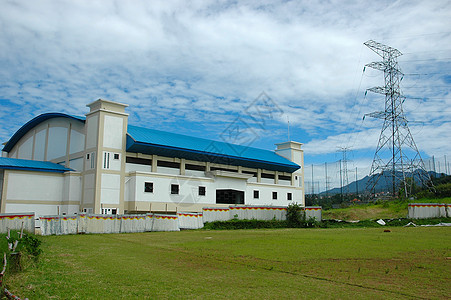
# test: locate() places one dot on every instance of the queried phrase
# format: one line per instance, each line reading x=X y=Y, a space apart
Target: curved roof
x=151 y=141
x=32 y=123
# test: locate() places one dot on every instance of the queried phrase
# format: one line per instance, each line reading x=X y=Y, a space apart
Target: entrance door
x=229 y=197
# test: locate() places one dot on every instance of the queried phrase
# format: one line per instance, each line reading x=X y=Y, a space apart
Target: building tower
x=397 y=156
x=104 y=157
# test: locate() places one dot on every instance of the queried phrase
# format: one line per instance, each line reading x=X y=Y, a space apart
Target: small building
x=98 y=163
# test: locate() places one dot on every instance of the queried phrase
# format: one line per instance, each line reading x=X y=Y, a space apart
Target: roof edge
x=7 y=163
x=290 y=165
x=33 y=123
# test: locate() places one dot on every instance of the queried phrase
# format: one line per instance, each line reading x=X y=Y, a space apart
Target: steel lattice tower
x=395 y=137
x=344 y=169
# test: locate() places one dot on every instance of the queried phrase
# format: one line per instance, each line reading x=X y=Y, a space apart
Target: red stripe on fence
x=258 y=207
x=188 y=215
x=427 y=205
x=17 y=216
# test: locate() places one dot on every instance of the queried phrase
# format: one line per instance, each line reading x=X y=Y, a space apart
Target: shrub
x=31 y=245
x=26 y=253
x=244 y=224
x=295 y=215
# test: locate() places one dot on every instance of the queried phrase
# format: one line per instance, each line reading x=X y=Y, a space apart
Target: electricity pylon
x=344 y=169
x=395 y=137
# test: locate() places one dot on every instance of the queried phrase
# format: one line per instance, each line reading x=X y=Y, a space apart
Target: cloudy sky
x=210 y=68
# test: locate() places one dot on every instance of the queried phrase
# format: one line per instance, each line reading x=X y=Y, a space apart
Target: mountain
x=383 y=184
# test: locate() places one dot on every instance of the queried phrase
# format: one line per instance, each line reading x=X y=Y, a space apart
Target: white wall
x=26 y=149
x=77 y=141
x=39 y=186
x=110 y=191
x=112 y=137
x=92 y=125
x=76 y=164
x=57 y=142
x=265 y=195
x=72 y=187
x=137 y=167
x=88 y=189
x=42 y=192
x=189 y=187
x=40 y=142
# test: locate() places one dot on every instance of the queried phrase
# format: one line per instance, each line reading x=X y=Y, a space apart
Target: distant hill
x=384 y=184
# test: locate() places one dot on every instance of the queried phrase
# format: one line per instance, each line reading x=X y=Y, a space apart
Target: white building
x=62 y=164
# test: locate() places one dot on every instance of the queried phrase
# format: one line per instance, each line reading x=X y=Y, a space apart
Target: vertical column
x=104 y=179
x=154 y=163
x=182 y=166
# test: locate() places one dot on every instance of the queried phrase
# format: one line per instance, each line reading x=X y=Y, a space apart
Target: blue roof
x=32 y=123
x=151 y=141
x=31 y=165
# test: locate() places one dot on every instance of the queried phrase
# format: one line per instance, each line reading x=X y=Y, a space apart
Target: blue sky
x=197 y=68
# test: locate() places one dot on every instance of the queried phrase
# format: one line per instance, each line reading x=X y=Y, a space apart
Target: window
x=139 y=161
x=106 y=160
x=256 y=194
x=229 y=197
x=116 y=155
x=109 y=211
x=148 y=187
x=168 y=164
x=274 y=195
x=194 y=167
x=222 y=169
x=254 y=174
x=266 y=175
x=289 y=196
x=201 y=191
x=174 y=189
x=284 y=177
x=93 y=160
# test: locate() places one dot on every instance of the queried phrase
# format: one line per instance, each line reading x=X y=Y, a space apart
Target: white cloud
x=186 y=64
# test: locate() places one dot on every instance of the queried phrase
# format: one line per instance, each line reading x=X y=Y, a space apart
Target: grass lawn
x=352 y=263
x=387 y=210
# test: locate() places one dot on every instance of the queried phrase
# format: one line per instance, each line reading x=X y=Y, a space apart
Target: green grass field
x=387 y=210
x=363 y=263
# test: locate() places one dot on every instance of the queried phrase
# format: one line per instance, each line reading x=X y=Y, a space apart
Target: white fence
x=429 y=210
x=189 y=220
x=165 y=223
x=313 y=212
x=211 y=214
x=258 y=212
x=17 y=221
x=89 y=223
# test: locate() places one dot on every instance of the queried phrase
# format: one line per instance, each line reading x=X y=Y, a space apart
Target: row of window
x=188 y=166
x=274 y=195
x=175 y=189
